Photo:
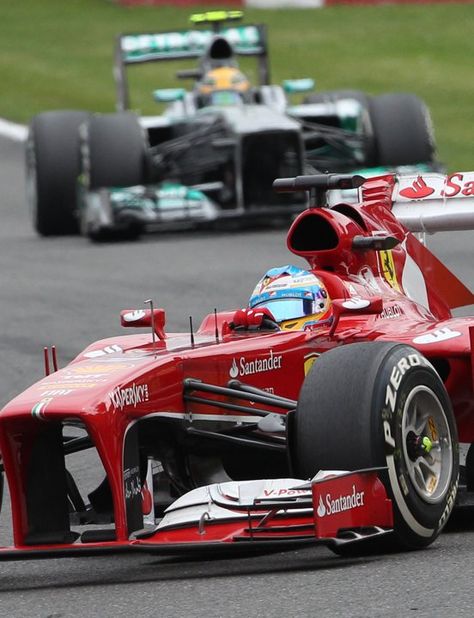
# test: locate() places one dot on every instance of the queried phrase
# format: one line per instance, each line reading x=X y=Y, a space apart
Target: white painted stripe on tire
x=14 y=131
x=402 y=506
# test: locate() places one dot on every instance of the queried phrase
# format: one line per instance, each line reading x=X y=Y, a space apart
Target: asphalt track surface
x=68 y=292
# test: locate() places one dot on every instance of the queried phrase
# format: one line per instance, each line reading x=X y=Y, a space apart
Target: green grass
x=58 y=54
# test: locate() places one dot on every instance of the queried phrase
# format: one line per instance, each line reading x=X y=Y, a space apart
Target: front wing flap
x=166 y=206
x=335 y=508
x=117 y=208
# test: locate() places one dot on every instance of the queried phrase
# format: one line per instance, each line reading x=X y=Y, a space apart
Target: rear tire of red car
x=403 y=130
x=52 y=170
x=367 y=405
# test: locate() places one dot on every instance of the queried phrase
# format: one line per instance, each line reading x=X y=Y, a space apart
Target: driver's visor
x=288 y=308
x=225 y=97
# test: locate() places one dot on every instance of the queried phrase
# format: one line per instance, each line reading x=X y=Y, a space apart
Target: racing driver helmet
x=297 y=299
x=223 y=86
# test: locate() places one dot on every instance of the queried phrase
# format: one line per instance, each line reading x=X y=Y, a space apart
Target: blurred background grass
x=57 y=54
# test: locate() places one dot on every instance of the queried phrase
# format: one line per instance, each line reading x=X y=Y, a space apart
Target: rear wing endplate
x=137 y=48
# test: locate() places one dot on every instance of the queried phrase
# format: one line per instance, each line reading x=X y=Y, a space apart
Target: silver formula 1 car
x=214 y=151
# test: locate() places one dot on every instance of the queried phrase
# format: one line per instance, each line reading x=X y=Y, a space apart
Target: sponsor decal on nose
x=130 y=396
x=244 y=367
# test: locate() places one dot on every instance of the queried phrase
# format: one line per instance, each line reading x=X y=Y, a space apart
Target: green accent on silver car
x=168 y=95
x=136 y=48
x=294 y=86
x=126 y=197
x=163 y=197
x=171 y=195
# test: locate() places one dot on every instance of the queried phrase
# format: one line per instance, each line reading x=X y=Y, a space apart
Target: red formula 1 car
x=185 y=425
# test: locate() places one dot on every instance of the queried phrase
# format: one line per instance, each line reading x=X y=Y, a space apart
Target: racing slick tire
x=113 y=154
x=382 y=404
x=52 y=170
x=114 y=151
x=403 y=130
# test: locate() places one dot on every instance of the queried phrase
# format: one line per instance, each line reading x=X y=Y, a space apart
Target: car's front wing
x=167 y=206
x=334 y=509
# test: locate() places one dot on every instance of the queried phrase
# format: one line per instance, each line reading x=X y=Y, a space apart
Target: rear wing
x=423 y=203
x=434 y=202
x=426 y=202
x=137 y=48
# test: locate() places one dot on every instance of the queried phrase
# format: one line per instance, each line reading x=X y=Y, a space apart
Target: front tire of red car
x=377 y=404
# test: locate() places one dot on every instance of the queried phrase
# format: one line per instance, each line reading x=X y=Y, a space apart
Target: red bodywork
x=118 y=386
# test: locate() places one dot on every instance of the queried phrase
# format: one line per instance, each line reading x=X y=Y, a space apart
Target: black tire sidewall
x=402 y=129
x=407 y=502
x=344 y=421
x=114 y=151
x=329 y=430
x=52 y=170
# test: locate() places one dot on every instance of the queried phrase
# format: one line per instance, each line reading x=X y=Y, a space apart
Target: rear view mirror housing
x=295 y=86
x=168 y=95
x=145 y=318
x=351 y=306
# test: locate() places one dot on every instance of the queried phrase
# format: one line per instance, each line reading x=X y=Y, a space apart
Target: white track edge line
x=17 y=132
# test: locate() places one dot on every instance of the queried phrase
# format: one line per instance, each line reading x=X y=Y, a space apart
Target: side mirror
x=354 y=306
x=145 y=318
x=169 y=95
x=293 y=86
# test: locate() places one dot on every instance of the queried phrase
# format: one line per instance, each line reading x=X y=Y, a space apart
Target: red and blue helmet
x=291 y=293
